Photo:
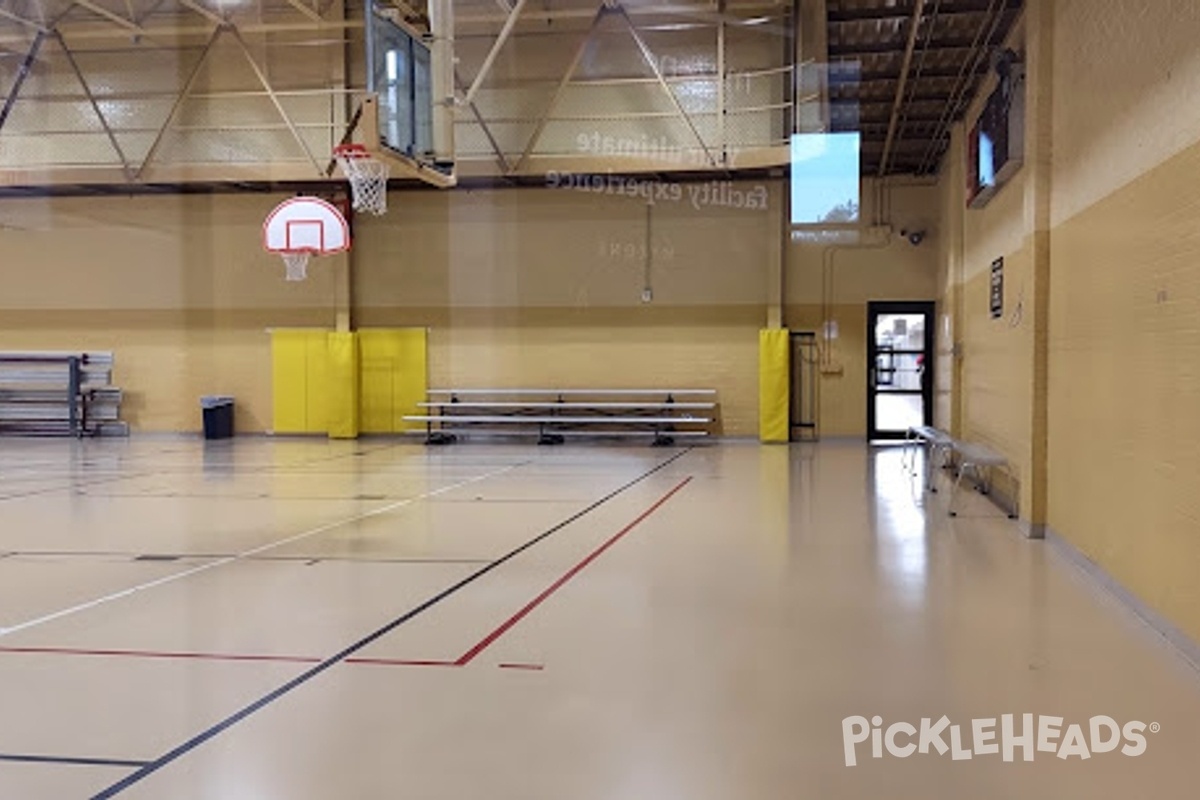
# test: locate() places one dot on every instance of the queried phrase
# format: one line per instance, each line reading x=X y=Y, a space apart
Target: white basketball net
x=297 y=264
x=368 y=182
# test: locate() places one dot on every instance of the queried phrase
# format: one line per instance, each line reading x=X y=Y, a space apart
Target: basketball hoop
x=296 y=264
x=368 y=177
x=302 y=227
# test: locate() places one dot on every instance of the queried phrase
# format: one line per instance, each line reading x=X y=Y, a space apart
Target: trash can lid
x=214 y=400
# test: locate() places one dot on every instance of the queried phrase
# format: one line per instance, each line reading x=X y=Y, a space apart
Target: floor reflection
x=899 y=521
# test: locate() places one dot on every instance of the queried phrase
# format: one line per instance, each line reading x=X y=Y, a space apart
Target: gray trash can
x=218 y=416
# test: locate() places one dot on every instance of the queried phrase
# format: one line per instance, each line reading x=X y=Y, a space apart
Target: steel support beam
x=441 y=79
x=721 y=83
x=704 y=11
x=407 y=10
x=87 y=90
x=889 y=48
x=967 y=73
x=148 y=12
x=174 y=30
x=509 y=23
x=960 y=8
x=17 y=18
x=266 y=84
x=487 y=132
x=179 y=99
x=601 y=12
x=22 y=74
x=208 y=14
x=909 y=46
x=305 y=10
x=652 y=62
x=112 y=17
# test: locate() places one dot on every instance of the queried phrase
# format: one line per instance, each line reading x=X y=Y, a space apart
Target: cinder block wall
x=177 y=286
x=519 y=287
x=1123 y=316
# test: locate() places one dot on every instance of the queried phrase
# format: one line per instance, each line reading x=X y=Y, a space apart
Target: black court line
x=249 y=496
x=76 y=485
x=68 y=484
x=227 y=723
x=72 y=761
x=160 y=557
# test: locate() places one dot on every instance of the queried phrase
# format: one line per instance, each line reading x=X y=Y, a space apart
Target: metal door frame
x=876 y=308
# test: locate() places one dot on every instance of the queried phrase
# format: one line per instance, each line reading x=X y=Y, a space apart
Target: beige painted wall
x=1125 y=433
x=519 y=287
x=870 y=266
x=177 y=286
x=543 y=287
x=1124 y=297
x=996 y=354
x=948 y=366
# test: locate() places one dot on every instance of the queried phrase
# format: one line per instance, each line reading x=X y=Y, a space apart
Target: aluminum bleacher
x=554 y=415
x=59 y=394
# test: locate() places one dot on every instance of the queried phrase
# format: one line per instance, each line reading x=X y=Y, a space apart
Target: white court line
x=90 y=604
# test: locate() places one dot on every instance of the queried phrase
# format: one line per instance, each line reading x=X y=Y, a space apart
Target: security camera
x=1004 y=61
x=914 y=237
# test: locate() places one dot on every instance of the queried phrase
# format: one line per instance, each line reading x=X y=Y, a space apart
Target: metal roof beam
x=111 y=16
x=962 y=8
x=897 y=48
x=37 y=26
x=488 y=61
x=207 y=13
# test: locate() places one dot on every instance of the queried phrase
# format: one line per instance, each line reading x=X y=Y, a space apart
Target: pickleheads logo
x=1028 y=736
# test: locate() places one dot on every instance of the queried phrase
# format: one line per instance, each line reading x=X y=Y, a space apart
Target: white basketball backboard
x=306 y=224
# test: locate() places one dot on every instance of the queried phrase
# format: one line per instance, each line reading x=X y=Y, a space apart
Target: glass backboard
x=399 y=75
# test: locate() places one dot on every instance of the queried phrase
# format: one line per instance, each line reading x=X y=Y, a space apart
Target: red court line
x=171 y=654
x=399 y=662
x=490 y=639
x=462 y=661
x=197 y=656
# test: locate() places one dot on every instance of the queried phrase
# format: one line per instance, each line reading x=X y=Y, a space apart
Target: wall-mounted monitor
x=825 y=178
x=996 y=142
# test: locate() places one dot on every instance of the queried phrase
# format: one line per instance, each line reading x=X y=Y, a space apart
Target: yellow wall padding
x=342 y=390
x=773 y=380
x=394 y=378
x=298 y=380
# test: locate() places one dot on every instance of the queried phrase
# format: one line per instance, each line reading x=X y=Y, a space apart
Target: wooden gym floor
x=292 y=619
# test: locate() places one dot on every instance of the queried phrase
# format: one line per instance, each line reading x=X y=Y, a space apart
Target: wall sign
x=997 y=292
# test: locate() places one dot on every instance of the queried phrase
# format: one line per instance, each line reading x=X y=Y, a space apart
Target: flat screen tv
x=996 y=143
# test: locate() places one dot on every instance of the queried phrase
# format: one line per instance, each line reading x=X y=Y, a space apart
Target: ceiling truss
x=901 y=73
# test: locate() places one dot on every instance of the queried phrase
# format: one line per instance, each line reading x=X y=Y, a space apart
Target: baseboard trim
x=1184 y=645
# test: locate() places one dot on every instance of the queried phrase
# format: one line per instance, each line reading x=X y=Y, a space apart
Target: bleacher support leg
x=73 y=391
x=545 y=437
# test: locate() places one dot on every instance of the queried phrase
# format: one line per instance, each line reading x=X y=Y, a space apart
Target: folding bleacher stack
x=59 y=394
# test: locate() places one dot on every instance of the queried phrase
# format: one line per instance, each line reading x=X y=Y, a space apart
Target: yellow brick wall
x=1125 y=386
x=875 y=267
x=177 y=286
x=518 y=287
x=543 y=287
x=1124 y=299
x=1125 y=296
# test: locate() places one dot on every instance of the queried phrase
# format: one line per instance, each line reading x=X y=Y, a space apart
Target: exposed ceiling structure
x=901 y=72
x=915 y=81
